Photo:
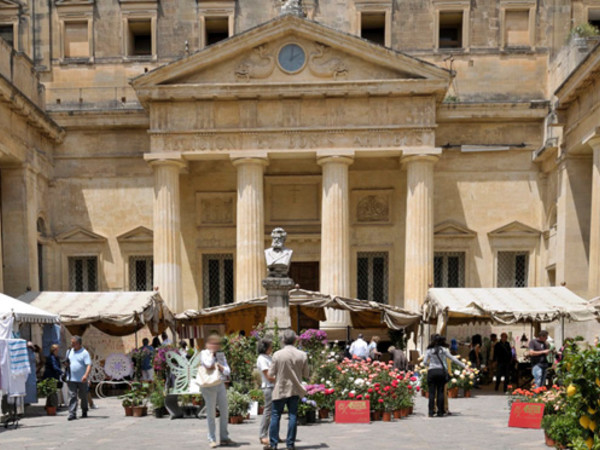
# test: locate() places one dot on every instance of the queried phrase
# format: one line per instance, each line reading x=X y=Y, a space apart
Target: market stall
x=535 y=305
x=114 y=313
x=17 y=376
x=246 y=314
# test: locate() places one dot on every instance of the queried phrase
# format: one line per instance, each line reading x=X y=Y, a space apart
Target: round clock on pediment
x=291 y=58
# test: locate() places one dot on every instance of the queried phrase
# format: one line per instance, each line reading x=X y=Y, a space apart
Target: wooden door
x=306 y=275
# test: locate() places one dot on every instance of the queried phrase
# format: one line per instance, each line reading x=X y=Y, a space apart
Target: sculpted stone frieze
x=260 y=64
x=373 y=208
x=292 y=140
x=322 y=65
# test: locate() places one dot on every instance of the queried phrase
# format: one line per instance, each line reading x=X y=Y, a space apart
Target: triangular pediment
x=139 y=234
x=451 y=229
x=329 y=56
x=515 y=229
x=9 y=5
x=80 y=235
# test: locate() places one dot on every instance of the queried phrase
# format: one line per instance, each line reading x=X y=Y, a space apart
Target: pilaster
x=594 y=269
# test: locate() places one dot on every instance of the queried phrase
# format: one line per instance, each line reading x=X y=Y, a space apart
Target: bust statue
x=278 y=256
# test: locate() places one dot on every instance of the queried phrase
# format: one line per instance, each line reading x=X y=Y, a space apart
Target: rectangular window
x=140 y=37
x=76 y=40
x=594 y=17
x=216 y=29
x=449 y=269
x=372 y=27
x=451 y=26
x=217 y=279
x=372 y=276
x=7 y=33
x=83 y=273
x=141 y=273
x=513 y=268
x=516 y=28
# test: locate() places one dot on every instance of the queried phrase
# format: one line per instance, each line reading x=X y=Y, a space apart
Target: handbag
x=447 y=376
x=207 y=377
x=67 y=373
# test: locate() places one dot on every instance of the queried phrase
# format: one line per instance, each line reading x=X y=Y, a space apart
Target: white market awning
x=114 y=313
x=505 y=305
x=23 y=312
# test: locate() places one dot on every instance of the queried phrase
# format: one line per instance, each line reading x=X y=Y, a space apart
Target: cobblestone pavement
x=476 y=423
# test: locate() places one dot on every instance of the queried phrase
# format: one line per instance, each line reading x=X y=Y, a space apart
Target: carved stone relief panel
x=293 y=200
x=215 y=209
x=372 y=206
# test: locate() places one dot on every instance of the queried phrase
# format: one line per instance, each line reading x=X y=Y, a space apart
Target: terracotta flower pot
x=235 y=420
x=375 y=415
x=51 y=410
x=387 y=416
x=323 y=413
x=404 y=412
x=411 y=410
x=261 y=410
x=140 y=411
x=424 y=393
x=128 y=410
x=453 y=392
x=397 y=414
x=468 y=394
x=549 y=442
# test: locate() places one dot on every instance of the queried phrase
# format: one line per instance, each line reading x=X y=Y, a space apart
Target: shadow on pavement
x=306 y=447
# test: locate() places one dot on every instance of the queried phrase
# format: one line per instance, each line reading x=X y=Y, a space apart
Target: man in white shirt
x=359 y=348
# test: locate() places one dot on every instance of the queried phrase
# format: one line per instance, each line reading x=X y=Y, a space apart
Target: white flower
x=359 y=382
x=351 y=378
x=322 y=380
x=453 y=380
x=471 y=376
x=457 y=372
x=328 y=383
x=469 y=363
x=462 y=377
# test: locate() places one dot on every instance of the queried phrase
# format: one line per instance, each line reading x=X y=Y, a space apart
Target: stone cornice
x=111 y=118
x=492 y=111
x=227 y=91
x=578 y=79
x=24 y=107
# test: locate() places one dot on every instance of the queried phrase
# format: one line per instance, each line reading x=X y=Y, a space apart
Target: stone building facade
x=401 y=143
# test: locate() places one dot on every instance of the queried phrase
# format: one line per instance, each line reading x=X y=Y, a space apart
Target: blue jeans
x=216 y=396
x=77 y=388
x=278 y=405
x=539 y=375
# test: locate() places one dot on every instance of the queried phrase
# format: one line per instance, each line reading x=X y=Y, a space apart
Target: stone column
x=335 y=235
x=594 y=270
x=167 y=232
x=250 y=228
x=418 y=261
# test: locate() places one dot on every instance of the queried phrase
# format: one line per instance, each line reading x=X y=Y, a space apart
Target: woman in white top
x=214 y=396
x=263 y=363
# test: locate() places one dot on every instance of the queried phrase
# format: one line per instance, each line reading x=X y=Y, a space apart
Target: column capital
x=339 y=159
x=164 y=160
x=593 y=141
x=248 y=160
x=420 y=157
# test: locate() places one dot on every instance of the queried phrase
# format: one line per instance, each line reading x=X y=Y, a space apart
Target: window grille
x=83 y=273
x=513 y=268
x=372 y=276
x=141 y=273
x=217 y=279
x=449 y=269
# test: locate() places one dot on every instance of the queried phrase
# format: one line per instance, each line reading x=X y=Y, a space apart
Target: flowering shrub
x=306 y=405
x=322 y=395
x=159 y=363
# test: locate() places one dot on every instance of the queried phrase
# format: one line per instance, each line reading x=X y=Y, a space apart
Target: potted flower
x=453 y=385
x=258 y=398
x=307 y=411
x=48 y=388
x=238 y=405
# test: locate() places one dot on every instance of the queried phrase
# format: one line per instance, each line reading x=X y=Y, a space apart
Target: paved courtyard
x=476 y=423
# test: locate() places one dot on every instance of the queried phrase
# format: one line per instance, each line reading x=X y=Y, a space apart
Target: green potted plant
x=257 y=396
x=139 y=398
x=307 y=411
x=238 y=405
x=583 y=33
x=48 y=388
x=157 y=398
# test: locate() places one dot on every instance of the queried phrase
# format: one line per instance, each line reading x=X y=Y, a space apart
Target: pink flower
x=380 y=400
x=351 y=395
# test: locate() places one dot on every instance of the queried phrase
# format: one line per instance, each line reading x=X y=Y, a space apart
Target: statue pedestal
x=278 y=301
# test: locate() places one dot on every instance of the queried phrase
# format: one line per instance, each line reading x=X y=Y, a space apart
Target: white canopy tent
x=114 y=313
x=23 y=312
x=534 y=305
